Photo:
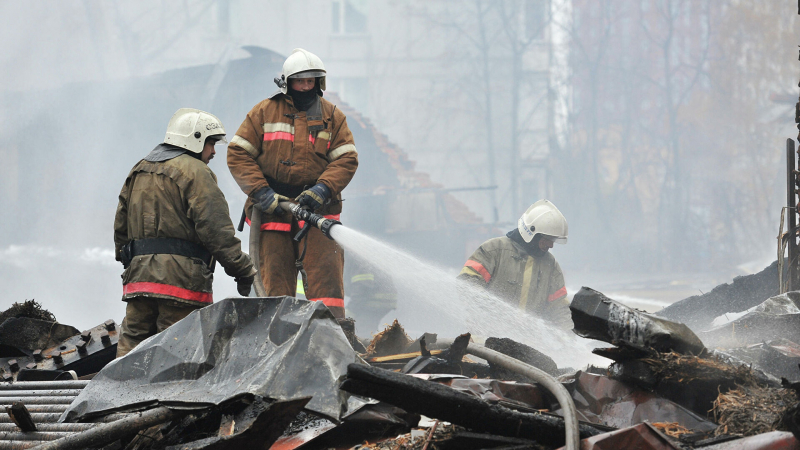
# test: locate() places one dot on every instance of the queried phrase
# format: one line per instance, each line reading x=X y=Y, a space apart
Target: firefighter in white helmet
x=172 y=225
x=519 y=268
x=296 y=145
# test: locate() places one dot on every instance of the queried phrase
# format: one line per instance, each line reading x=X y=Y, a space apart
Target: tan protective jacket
x=534 y=283
x=177 y=198
x=278 y=141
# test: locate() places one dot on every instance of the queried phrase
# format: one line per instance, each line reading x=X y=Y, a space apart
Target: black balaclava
x=304 y=100
x=532 y=247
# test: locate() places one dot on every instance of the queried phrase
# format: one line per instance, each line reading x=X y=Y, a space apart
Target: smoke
x=87 y=88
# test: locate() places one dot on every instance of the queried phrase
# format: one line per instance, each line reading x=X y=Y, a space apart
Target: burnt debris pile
x=283 y=373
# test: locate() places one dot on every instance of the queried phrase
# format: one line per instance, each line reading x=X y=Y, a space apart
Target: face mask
x=303 y=100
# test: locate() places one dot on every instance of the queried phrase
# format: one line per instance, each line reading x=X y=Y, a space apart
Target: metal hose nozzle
x=316 y=220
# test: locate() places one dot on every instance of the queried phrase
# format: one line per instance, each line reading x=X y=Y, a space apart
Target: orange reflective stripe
x=330 y=301
x=558 y=294
x=166 y=289
x=279 y=136
x=478 y=267
x=272 y=226
x=276 y=226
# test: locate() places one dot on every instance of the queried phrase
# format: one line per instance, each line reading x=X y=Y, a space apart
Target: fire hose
x=304 y=215
x=551 y=384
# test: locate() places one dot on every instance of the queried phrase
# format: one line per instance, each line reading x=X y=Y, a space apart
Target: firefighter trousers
x=147 y=316
x=323 y=262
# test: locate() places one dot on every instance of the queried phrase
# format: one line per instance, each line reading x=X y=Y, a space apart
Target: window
x=349 y=16
x=536 y=18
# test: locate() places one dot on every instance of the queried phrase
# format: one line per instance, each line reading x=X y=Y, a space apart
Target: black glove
x=314 y=197
x=244 y=284
x=266 y=200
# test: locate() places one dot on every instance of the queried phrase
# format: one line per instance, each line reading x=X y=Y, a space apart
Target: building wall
x=409 y=66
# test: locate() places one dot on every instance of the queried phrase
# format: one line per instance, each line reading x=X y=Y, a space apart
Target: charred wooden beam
x=441 y=402
x=21 y=417
x=522 y=352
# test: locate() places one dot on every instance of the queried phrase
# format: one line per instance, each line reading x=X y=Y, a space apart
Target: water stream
x=431 y=299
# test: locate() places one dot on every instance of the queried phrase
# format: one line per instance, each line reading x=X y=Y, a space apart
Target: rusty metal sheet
x=774 y=440
x=509 y=393
x=293 y=441
x=639 y=437
x=371 y=423
x=602 y=400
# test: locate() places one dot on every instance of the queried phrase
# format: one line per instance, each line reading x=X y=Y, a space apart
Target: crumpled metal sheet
x=776 y=316
x=596 y=316
x=278 y=347
x=774 y=440
x=370 y=423
x=308 y=433
x=509 y=393
x=609 y=402
x=639 y=437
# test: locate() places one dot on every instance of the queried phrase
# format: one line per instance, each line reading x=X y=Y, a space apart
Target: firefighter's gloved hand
x=314 y=197
x=244 y=284
x=266 y=200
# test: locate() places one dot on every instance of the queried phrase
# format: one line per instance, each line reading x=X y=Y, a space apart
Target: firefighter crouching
x=519 y=268
x=172 y=225
x=296 y=145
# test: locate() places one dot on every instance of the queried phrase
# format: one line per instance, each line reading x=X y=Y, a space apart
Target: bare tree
x=486 y=55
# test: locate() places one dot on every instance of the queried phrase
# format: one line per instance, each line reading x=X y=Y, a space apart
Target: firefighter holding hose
x=296 y=145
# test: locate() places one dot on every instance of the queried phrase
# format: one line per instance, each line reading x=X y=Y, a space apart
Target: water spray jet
x=435 y=298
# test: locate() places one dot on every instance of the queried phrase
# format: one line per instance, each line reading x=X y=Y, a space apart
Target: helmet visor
x=556 y=239
x=308 y=74
x=218 y=139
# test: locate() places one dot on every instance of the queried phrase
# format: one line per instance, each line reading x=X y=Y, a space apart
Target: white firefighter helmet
x=188 y=128
x=301 y=64
x=543 y=218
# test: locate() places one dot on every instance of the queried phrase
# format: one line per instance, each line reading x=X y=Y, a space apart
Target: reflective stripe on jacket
x=177 y=198
x=278 y=142
x=533 y=283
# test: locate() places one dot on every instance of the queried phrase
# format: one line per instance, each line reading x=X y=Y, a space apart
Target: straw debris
x=687 y=368
x=751 y=410
x=30 y=309
x=671 y=429
x=391 y=341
